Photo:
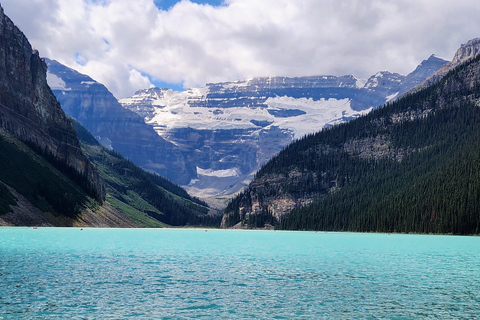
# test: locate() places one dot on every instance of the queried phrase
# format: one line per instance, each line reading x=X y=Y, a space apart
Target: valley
x=221 y=134
x=389 y=153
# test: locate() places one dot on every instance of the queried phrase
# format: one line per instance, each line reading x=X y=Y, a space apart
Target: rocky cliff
x=45 y=178
x=29 y=110
x=115 y=127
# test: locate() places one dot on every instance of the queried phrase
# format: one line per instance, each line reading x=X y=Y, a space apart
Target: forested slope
x=410 y=166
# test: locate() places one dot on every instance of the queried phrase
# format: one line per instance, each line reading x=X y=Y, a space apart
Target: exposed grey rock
x=115 y=127
x=29 y=110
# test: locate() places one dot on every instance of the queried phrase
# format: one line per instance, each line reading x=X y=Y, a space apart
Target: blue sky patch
x=162 y=84
x=166 y=85
x=167 y=4
x=79 y=59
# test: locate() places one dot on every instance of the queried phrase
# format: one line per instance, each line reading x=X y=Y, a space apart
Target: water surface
x=69 y=273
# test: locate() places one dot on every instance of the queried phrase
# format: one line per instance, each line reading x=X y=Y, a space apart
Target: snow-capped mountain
x=228 y=130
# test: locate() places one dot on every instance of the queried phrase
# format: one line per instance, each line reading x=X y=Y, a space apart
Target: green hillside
x=148 y=199
x=410 y=166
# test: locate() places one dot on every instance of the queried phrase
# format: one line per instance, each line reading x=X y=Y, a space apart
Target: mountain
x=466 y=52
x=37 y=191
x=134 y=198
x=44 y=175
x=30 y=112
x=48 y=177
x=228 y=130
x=410 y=166
x=115 y=127
x=32 y=122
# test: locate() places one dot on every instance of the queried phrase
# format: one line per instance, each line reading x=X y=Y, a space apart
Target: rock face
x=29 y=110
x=115 y=127
x=228 y=130
x=466 y=52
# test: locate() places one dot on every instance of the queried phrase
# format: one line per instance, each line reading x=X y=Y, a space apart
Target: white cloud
x=120 y=42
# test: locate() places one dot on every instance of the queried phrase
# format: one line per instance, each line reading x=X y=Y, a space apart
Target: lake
x=73 y=273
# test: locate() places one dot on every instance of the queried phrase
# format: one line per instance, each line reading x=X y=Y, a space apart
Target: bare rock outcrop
x=30 y=111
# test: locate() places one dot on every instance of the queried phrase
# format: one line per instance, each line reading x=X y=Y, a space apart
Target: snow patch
x=318 y=113
x=234 y=172
x=392 y=96
x=373 y=83
x=56 y=83
x=360 y=83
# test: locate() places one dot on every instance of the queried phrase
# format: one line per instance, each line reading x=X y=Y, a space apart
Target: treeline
x=81 y=179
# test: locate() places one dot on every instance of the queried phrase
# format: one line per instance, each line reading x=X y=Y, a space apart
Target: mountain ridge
x=264 y=114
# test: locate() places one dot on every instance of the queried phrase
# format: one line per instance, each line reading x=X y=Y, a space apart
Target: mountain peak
x=434 y=57
x=467 y=51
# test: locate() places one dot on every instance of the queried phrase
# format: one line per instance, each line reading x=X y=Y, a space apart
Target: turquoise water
x=68 y=273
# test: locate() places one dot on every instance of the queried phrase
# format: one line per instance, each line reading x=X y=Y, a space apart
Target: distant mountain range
x=410 y=166
x=212 y=140
x=228 y=130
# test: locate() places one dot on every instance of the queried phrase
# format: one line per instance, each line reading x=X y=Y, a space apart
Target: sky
x=130 y=45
